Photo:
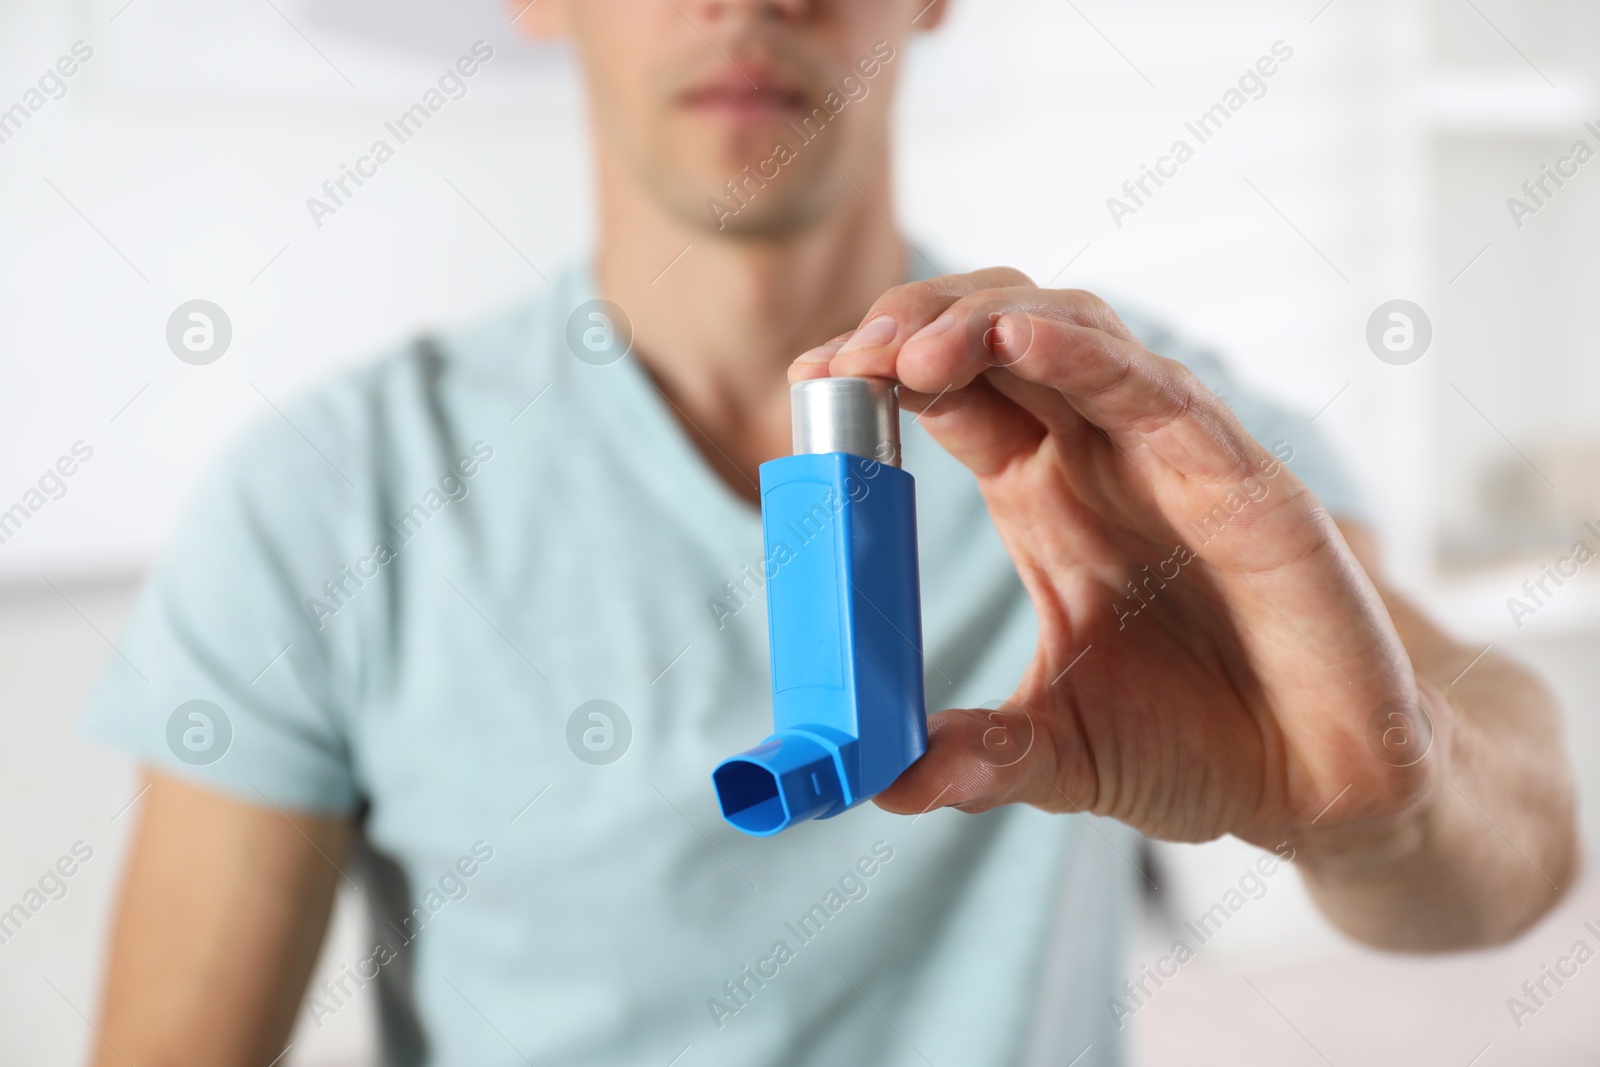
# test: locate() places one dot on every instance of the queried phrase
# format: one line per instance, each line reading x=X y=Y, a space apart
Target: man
x=400 y=621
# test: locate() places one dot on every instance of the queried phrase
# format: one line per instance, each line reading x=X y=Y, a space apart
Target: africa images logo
x=199 y=733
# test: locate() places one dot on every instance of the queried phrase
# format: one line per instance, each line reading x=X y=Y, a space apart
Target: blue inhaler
x=844 y=615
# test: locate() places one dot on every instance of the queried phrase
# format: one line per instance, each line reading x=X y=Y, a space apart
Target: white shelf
x=1474 y=604
x=1508 y=102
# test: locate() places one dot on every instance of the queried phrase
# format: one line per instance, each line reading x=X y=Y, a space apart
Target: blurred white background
x=1376 y=166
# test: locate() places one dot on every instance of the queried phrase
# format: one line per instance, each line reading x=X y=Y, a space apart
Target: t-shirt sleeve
x=221 y=675
x=1288 y=434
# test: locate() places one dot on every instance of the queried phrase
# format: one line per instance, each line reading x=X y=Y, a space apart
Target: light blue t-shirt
x=399 y=602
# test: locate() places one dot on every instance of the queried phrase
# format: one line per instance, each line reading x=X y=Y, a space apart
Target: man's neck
x=717 y=321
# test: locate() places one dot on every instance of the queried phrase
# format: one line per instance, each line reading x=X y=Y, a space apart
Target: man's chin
x=765 y=226
x=740 y=207
x=749 y=213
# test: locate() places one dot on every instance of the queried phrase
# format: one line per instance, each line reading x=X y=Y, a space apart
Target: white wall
x=194 y=136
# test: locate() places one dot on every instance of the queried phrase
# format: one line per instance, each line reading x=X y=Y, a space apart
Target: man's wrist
x=1417 y=809
x=1435 y=872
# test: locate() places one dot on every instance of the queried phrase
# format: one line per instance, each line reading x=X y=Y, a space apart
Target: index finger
x=895 y=317
x=1077 y=349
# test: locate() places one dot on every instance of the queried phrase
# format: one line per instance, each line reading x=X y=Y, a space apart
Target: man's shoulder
x=373 y=420
x=482 y=360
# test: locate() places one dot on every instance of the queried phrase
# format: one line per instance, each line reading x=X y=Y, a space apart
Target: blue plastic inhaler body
x=844 y=617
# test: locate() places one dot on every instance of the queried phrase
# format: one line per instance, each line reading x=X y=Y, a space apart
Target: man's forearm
x=1491 y=843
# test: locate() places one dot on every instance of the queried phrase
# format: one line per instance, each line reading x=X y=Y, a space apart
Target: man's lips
x=752 y=93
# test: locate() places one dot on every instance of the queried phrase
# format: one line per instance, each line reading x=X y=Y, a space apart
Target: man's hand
x=1213 y=658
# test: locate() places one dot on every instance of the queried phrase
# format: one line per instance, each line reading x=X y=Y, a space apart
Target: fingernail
x=880 y=331
x=934 y=328
x=820 y=354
